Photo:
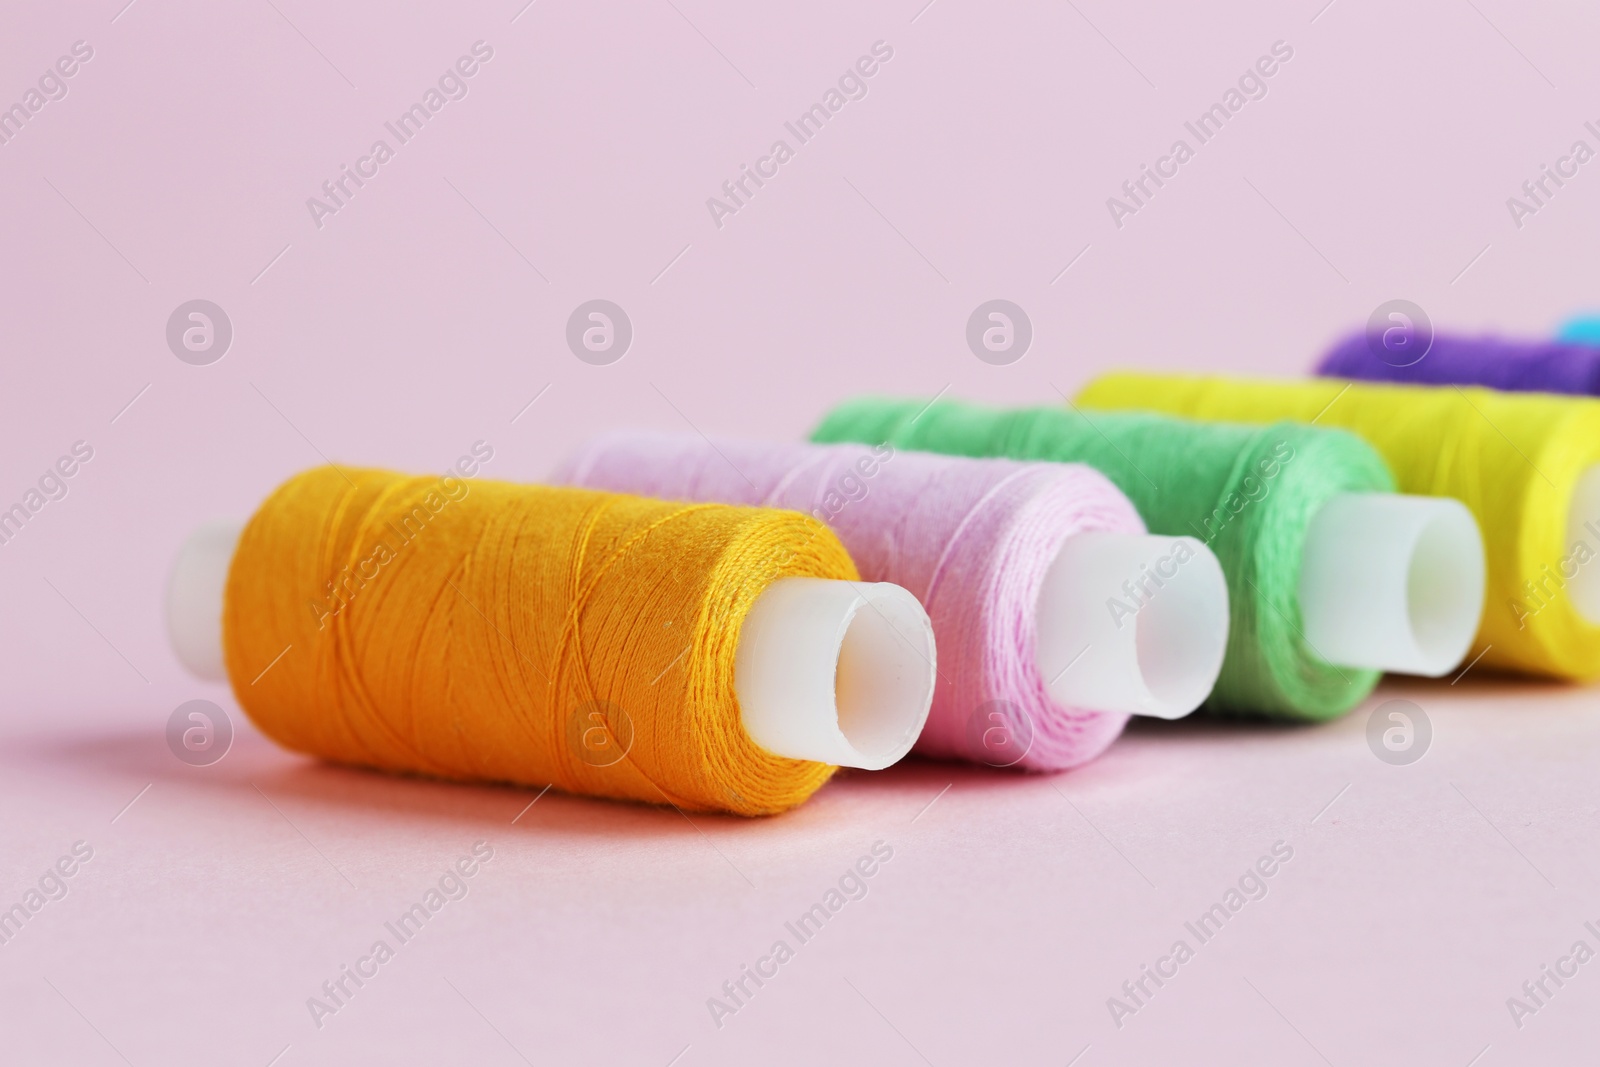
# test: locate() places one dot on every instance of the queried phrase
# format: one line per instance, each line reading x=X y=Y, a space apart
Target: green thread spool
x=1249 y=492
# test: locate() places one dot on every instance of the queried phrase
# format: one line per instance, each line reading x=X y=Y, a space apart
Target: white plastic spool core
x=194 y=598
x=837 y=672
x=1392 y=582
x=833 y=671
x=1132 y=623
x=1583 y=527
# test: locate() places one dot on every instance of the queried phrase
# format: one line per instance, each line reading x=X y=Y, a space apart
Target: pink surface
x=431 y=309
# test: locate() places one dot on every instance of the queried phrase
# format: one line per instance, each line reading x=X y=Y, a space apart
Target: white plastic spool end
x=837 y=672
x=833 y=671
x=194 y=598
x=1133 y=623
x=1392 y=582
x=1583 y=527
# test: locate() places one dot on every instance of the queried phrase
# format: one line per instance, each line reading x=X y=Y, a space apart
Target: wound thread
x=1498 y=363
x=1514 y=459
x=482 y=631
x=971 y=539
x=1249 y=493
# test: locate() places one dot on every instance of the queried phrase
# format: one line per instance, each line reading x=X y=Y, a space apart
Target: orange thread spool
x=486 y=631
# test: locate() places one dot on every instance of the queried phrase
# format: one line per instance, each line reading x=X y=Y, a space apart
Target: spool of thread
x=711 y=657
x=1526 y=464
x=1519 y=366
x=1330 y=578
x=1014 y=563
x=1581 y=330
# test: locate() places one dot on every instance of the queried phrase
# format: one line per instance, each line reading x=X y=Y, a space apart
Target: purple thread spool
x=1516 y=366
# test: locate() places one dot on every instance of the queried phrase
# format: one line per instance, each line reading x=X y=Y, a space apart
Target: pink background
x=422 y=318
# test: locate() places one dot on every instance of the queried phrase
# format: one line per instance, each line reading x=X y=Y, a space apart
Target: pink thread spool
x=1019 y=566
